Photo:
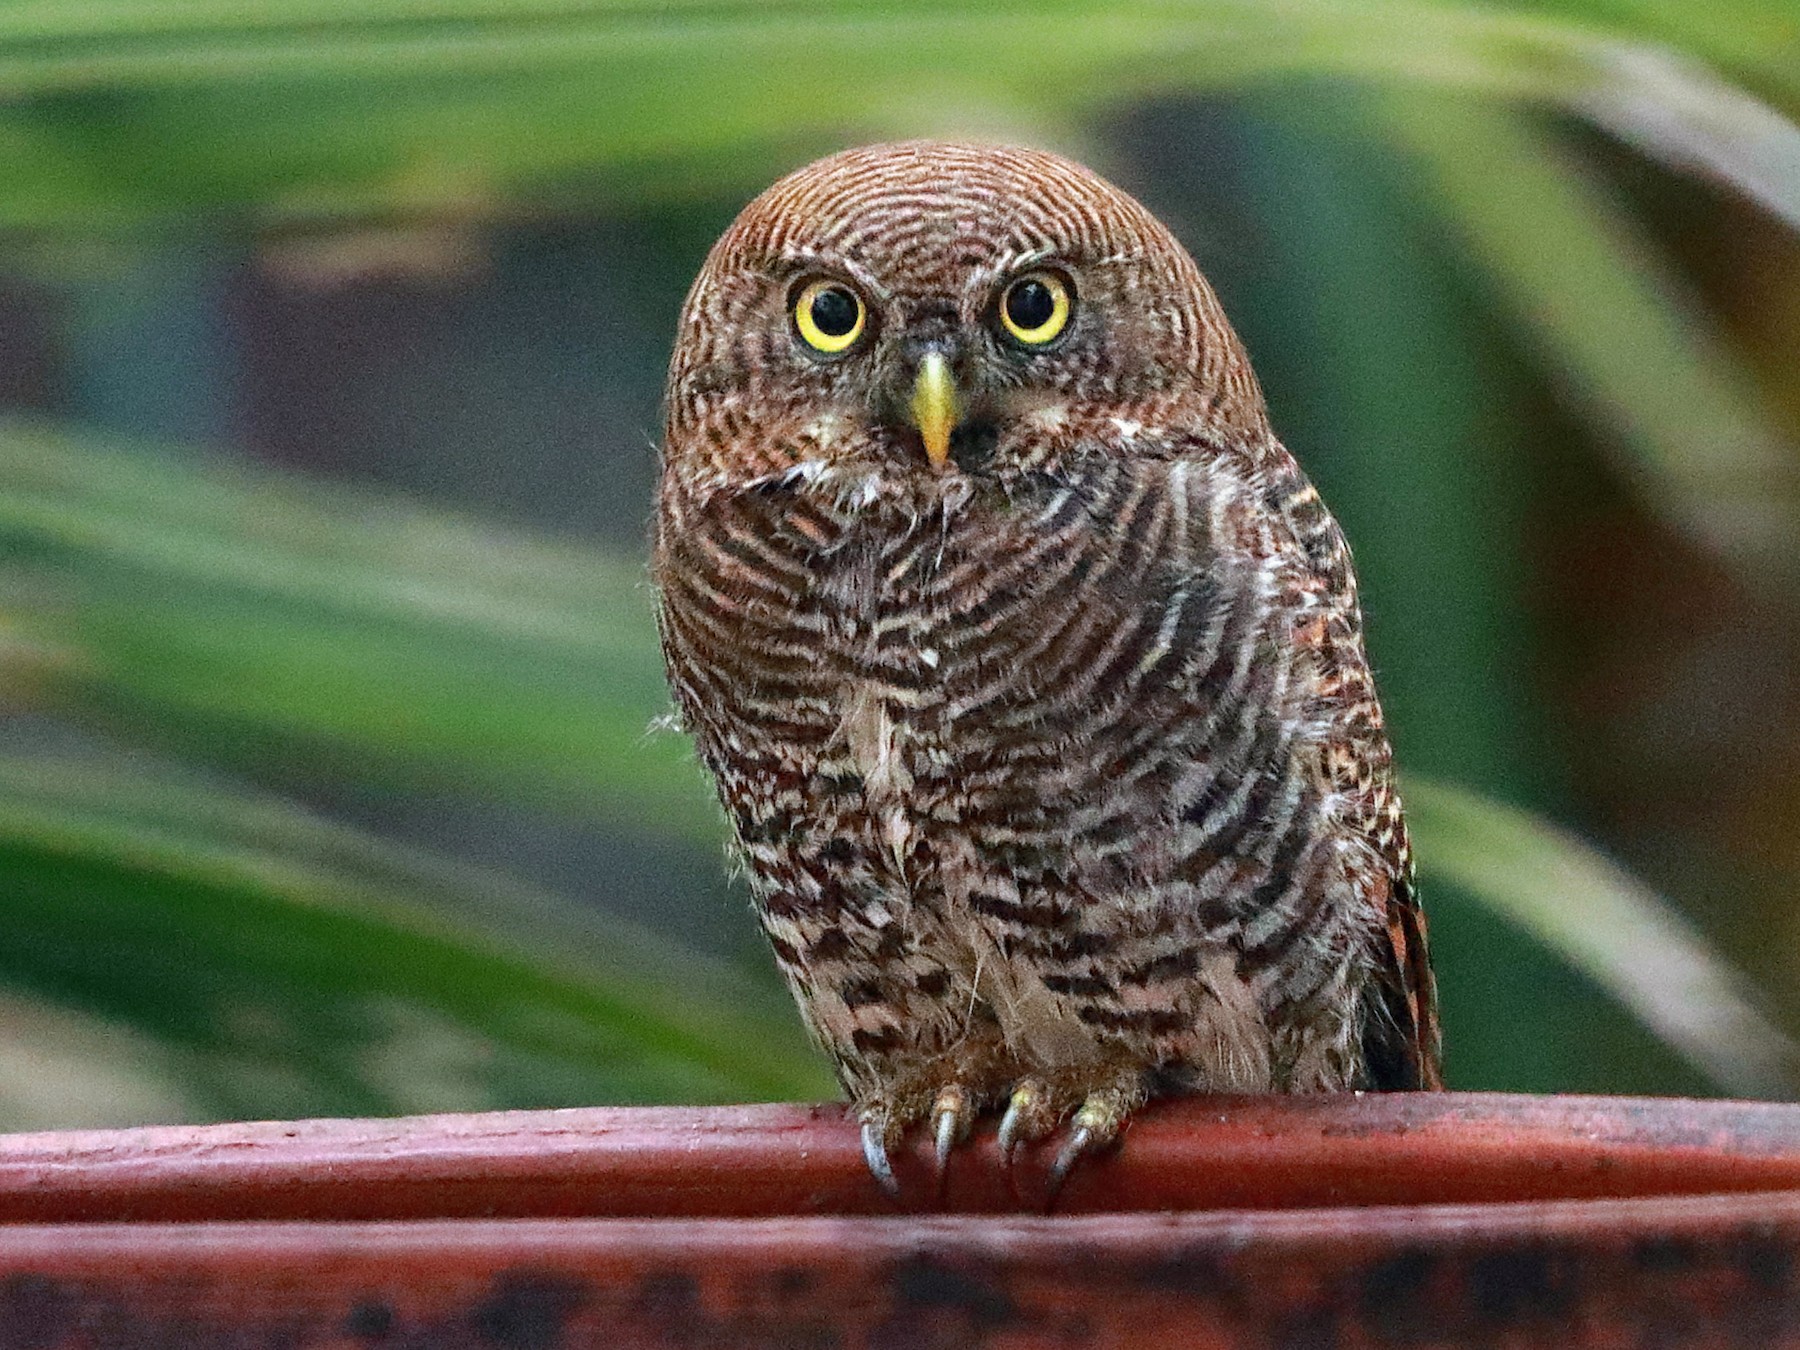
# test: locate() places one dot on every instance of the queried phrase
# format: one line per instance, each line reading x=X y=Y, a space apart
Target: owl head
x=934 y=308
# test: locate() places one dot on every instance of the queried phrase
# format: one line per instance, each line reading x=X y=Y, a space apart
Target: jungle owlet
x=1027 y=661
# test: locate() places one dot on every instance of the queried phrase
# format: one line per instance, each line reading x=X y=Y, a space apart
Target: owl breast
x=1042 y=758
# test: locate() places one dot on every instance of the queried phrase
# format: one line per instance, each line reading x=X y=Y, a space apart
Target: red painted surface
x=1221 y=1153
x=1431 y=1220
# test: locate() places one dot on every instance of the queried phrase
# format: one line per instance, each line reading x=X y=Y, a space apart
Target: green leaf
x=296 y=967
x=1585 y=285
x=65 y=1069
x=142 y=110
x=1609 y=926
x=253 y=613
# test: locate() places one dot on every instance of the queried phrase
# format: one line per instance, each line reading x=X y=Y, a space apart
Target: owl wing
x=1401 y=1041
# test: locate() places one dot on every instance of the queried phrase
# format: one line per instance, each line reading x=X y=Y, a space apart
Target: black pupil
x=1029 y=305
x=834 y=311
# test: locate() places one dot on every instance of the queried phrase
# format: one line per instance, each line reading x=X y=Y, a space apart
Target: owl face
x=940 y=309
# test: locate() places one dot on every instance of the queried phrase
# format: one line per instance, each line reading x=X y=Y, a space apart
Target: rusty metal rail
x=1348 y=1221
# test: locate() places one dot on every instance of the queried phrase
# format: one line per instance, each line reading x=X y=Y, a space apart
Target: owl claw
x=1080 y=1142
x=1095 y=1126
x=1009 y=1130
x=950 y=1114
x=1022 y=1121
x=875 y=1154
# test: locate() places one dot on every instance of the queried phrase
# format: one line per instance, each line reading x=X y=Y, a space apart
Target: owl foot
x=1039 y=1105
x=953 y=1115
x=945 y=1094
x=948 y=1095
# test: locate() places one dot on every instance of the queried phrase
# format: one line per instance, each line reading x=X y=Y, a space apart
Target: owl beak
x=934 y=406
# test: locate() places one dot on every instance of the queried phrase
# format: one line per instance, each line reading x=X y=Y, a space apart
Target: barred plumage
x=1051 y=747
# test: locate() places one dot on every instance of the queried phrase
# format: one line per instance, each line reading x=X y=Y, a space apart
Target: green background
x=331 y=340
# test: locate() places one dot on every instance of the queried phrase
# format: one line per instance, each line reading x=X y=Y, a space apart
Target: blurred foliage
x=1450 y=267
x=296 y=966
x=212 y=605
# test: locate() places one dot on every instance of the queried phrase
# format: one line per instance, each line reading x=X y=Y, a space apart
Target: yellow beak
x=934 y=410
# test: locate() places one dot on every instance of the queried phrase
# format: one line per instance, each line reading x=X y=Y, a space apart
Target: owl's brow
x=1128 y=258
x=794 y=262
x=1037 y=257
x=1031 y=257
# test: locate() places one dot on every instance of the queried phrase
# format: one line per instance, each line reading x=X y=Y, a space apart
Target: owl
x=1027 y=662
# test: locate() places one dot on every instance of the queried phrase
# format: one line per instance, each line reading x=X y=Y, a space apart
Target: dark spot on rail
x=1665 y=1255
x=1403 y=1275
x=1307 y=1329
x=793 y=1283
x=1198 y=1272
x=1522 y=1284
x=371 y=1320
x=923 y=1283
x=1395 y=1297
x=667 y=1295
x=527 y=1311
x=36 y=1312
x=1765 y=1260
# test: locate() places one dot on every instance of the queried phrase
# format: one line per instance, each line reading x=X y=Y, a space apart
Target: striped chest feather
x=1087 y=676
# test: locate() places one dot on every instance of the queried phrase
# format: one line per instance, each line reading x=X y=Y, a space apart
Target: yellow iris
x=1036 y=308
x=830 y=316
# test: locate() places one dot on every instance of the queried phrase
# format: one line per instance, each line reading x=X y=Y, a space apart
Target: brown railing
x=1348 y=1221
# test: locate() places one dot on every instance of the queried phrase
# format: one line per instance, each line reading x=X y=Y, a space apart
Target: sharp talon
x=946 y=1136
x=876 y=1155
x=1079 y=1143
x=1095 y=1126
x=1009 y=1129
x=1024 y=1102
x=949 y=1128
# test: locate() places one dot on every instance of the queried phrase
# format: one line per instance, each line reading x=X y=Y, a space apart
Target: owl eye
x=1036 y=308
x=829 y=316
